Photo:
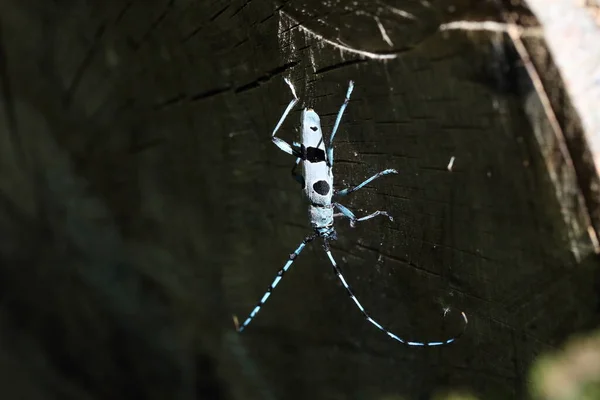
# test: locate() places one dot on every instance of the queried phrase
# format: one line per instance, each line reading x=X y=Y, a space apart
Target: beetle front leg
x=282 y=144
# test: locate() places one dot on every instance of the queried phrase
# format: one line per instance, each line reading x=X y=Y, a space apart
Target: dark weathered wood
x=143 y=203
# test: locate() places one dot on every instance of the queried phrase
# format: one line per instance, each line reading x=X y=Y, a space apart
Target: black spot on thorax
x=313 y=154
x=321 y=187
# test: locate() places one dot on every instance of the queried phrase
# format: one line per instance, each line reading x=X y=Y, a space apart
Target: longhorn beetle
x=317 y=182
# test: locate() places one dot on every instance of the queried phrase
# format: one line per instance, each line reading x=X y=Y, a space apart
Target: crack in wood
x=85 y=64
x=123 y=12
x=201 y=27
x=209 y=93
x=400 y=260
x=344 y=64
x=236 y=12
x=157 y=22
x=167 y=103
x=8 y=99
x=266 y=77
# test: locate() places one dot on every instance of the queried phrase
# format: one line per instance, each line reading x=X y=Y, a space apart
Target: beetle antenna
x=338 y=272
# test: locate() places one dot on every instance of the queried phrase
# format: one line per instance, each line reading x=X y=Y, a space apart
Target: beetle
x=317 y=183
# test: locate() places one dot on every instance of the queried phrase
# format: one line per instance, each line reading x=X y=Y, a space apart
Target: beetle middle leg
x=347 y=191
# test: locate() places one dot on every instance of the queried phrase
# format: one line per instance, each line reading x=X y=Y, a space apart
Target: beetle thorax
x=312 y=136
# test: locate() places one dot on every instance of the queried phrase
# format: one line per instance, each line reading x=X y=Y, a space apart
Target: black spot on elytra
x=314 y=128
x=321 y=187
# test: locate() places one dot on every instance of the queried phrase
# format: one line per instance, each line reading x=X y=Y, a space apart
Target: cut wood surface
x=143 y=204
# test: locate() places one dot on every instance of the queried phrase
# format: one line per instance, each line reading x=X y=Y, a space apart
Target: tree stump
x=143 y=204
